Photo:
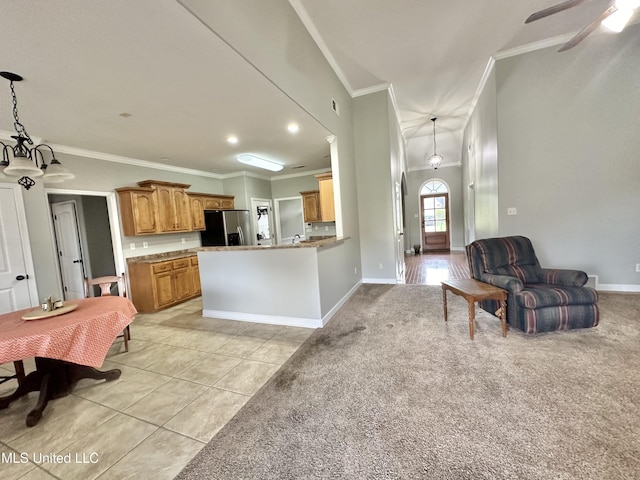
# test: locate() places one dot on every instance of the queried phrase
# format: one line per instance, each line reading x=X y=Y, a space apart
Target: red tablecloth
x=82 y=336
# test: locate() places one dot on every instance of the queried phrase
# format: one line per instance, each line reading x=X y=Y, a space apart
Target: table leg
x=472 y=317
x=503 y=317
x=54 y=379
x=444 y=302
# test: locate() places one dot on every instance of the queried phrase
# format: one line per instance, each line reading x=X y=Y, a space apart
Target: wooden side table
x=474 y=291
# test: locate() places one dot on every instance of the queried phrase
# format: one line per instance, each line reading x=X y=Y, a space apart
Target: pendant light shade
x=436 y=159
x=22 y=159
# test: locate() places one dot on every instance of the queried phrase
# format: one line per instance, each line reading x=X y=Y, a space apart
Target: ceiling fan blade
x=582 y=34
x=553 y=9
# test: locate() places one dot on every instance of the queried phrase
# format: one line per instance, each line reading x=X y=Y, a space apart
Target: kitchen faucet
x=296 y=236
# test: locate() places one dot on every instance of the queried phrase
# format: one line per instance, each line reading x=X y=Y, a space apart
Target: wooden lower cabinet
x=195 y=276
x=159 y=285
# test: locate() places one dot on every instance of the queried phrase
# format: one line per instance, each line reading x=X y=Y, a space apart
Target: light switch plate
x=512 y=211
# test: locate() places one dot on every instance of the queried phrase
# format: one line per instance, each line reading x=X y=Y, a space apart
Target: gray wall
x=452 y=176
x=566 y=127
x=480 y=167
x=374 y=185
x=569 y=154
x=272 y=38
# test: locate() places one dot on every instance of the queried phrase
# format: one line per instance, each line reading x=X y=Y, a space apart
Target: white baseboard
x=380 y=280
x=339 y=305
x=618 y=287
x=260 y=318
x=279 y=319
x=593 y=281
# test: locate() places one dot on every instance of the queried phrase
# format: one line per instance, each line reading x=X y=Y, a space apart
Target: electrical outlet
x=638 y=267
x=326 y=228
x=145 y=245
x=184 y=240
x=355 y=270
x=132 y=246
x=380 y=266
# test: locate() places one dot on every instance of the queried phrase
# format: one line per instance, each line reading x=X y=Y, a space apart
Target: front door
x=65 y=224
x=17 y=282
x=435 y=222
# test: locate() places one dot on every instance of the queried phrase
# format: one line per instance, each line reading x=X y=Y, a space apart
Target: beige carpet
x=388 y=390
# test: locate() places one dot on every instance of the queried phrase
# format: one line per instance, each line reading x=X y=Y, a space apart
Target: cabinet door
x=163 y=286
x=182 y=210
x=327 y=207
x=195 y=276
x=226 y=204
x=311 y=206
x=183 y=283
x=166 y=210
x=144 y=212
x=197 y=213
x=211 y=203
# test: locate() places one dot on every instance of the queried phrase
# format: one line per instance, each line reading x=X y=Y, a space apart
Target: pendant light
x=436 y=159
x=21 y=160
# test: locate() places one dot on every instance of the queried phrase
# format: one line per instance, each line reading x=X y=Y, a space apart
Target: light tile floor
x=182 y=380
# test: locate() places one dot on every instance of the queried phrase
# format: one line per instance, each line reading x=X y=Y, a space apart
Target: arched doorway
x=434 y=205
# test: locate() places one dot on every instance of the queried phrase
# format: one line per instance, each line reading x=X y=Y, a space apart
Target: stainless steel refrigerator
x=226 y=228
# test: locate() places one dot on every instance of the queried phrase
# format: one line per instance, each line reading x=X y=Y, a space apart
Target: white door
x=65 y=224
x=263 y=221
x=399 y=234
x=17 y=282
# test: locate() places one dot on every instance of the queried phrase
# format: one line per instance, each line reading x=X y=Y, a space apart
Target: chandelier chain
x=20 y=129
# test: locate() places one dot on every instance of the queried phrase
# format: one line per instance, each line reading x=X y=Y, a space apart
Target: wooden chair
x=106 y=285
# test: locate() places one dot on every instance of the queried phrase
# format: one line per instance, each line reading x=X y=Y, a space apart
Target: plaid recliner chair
x=539 y=299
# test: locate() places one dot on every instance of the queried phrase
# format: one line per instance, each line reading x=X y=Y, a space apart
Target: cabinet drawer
x=162 y=267
x=194 y=260
x=182 y=263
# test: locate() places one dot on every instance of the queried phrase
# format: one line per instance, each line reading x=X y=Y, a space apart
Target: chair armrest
x=511 y=284
x=565 y=278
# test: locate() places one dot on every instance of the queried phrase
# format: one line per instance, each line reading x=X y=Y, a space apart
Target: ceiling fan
x=614 y=18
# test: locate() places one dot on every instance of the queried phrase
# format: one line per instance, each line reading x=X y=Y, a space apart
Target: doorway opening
x=434 y=205
x=87 y=237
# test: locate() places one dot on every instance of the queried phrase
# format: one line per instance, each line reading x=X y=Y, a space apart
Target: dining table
x=67 y=346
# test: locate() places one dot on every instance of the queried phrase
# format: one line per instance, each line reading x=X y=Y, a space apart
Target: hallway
x=433 y=268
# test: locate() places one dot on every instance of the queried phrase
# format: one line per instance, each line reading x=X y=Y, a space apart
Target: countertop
x=312 y=242
x=161 y=257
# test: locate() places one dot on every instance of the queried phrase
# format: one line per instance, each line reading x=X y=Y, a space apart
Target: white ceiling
x=85 y=62
x=433 y=53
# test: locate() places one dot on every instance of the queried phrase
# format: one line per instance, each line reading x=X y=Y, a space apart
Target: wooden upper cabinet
x=311 y=205
x=174 y=208
x=318 y=205
x=217 y=202
x=197 y=212
x=138 y=210
x=327 y=206
x=165 y=207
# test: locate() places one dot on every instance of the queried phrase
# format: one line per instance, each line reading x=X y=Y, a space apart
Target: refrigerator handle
x=241 y=235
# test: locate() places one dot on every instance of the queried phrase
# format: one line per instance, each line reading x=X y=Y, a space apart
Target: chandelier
x=25 y=161
x=436 y=159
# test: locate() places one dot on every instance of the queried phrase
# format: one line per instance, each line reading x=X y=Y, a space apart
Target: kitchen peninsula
x=279 y=284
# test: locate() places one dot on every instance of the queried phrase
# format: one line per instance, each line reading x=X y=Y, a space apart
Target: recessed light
x=232 y=139
x=293 y=127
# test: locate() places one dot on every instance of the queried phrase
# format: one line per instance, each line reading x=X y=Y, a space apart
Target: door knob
x=21 y=277
x=77 y=261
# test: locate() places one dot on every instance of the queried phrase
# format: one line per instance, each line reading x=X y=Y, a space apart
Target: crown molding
x=532 y=47
x=315 y=35
x=372 y=89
